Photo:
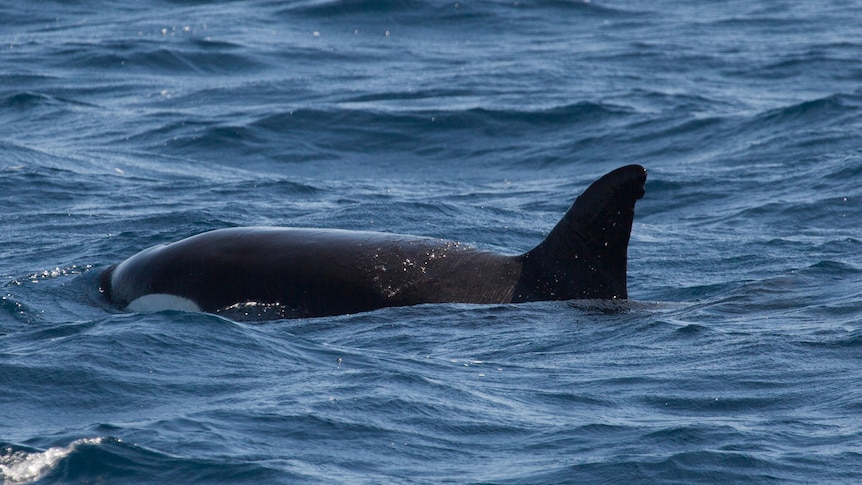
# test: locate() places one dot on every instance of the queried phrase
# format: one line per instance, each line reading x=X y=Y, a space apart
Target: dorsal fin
x=585 y=255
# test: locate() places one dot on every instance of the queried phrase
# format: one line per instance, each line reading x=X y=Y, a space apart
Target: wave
x=24 y=465
x=362 y=126
x=828 y=110
x=26 y=101
x=106 y=458
x=441 y=11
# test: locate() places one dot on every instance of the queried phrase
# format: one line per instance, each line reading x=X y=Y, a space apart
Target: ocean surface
x=737 y=359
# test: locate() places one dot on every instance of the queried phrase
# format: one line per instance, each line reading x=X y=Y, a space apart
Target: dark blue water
x=739 y=359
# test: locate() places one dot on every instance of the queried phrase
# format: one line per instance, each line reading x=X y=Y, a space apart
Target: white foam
x=159 y=302
x=24 y=467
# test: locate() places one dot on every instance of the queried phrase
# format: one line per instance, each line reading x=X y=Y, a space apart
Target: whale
x=286 y=272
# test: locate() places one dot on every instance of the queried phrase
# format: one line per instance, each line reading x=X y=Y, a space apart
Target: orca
x=302 y=272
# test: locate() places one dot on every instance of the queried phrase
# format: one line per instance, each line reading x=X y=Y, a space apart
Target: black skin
x=320 y=272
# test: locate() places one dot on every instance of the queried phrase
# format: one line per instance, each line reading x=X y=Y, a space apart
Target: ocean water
x=737 y=359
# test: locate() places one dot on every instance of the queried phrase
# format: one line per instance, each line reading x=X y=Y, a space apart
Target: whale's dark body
x=319 y=272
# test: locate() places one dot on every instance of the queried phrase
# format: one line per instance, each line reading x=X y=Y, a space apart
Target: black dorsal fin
x=585 y=255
